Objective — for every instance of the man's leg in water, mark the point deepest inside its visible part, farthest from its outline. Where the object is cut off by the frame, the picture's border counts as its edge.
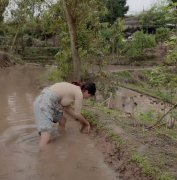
(61, 124)
(45, 137)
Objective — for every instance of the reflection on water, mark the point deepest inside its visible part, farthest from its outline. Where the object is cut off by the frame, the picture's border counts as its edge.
(71, 156)
(18, 137)
(18, 89)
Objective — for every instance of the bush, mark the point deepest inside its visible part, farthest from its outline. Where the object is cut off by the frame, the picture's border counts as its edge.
(140, 41)
(162, 34)
(171, 58)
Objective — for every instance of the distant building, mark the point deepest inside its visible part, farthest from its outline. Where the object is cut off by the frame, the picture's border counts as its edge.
(132, 24)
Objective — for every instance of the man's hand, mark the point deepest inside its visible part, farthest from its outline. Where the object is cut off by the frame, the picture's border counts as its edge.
(85, 128)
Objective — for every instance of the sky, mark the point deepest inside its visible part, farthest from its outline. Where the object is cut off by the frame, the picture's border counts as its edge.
(136, 6)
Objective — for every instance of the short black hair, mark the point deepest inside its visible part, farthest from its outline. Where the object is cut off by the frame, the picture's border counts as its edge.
(90, 87)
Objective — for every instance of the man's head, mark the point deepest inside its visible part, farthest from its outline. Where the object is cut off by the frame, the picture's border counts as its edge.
(88, 89)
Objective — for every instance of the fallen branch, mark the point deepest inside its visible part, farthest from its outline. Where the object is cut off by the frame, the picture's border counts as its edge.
(108, 101)
(150, 127)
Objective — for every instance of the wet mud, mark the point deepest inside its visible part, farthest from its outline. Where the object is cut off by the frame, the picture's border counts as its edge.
(118, 158)
(69, 156)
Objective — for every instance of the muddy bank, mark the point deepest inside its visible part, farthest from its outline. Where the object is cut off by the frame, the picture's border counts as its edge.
(111, 140)
(6, 60)
(118, 157)
(131, 150)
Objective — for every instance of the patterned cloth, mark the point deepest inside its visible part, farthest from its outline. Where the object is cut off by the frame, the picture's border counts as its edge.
(47, 109)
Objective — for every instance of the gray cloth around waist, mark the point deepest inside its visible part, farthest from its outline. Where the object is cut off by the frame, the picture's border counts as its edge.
(50, 105)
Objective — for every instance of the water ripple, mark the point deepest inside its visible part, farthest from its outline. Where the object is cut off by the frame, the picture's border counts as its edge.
(23, 137)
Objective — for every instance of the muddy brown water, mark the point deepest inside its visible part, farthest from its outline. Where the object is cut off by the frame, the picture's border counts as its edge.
(71, 156)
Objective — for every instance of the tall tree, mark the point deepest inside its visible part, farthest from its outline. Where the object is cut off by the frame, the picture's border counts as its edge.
(77, 13)
(157, 16)
(116, 9)
(71, 17)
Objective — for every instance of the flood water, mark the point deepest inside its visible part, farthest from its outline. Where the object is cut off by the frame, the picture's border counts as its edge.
(71, 156)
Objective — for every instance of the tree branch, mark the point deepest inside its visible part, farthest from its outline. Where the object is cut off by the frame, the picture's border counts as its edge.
(150, 127)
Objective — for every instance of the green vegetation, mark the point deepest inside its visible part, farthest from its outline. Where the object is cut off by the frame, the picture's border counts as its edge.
(145, 165)
(95, 121)
(92, 119)
(163, 80)
(149, 169)
(157, 16)
(172, 54)
(162, 34)
(150, 116)
(140, 41)
(116, 9)
(52, 75)
(115, 138)
(93, 34)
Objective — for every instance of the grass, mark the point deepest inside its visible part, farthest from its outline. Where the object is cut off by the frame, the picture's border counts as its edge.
(144, 164)
(168, 132)
(150, 170)
(93, 119)
(51, 76)
(101, 107)
(115, 138)
(122, 74)
(36, 51)
(54, 76)
(150, 116)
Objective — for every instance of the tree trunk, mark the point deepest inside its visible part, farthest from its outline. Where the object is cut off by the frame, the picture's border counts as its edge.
(13, 43)
(73, 38)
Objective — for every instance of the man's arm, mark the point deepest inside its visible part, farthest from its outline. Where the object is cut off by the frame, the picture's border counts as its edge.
(78, 117)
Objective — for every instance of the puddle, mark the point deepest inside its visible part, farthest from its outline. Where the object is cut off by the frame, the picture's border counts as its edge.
(131, 102)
